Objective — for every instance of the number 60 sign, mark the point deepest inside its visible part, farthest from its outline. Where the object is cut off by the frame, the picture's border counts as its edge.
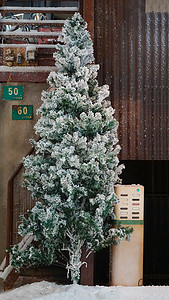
(22, 112)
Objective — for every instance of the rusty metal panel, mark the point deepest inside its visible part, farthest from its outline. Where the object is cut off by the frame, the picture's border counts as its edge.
(132, 49)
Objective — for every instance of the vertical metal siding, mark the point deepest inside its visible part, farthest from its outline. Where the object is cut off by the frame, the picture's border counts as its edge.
(132, 50)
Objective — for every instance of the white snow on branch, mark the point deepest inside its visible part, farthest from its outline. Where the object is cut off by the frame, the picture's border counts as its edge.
(27, 240)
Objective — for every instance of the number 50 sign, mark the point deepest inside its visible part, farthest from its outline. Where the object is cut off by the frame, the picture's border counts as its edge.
(12, 92)
(22, 112)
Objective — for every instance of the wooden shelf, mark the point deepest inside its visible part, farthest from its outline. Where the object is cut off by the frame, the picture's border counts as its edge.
(39, 9)
(31, 22)
(28, 34)
(48, 46)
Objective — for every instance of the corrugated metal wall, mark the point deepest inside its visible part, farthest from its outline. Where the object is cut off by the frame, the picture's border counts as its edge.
(132, 50)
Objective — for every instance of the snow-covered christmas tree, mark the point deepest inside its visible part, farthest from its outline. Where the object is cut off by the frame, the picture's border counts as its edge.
(75, 166)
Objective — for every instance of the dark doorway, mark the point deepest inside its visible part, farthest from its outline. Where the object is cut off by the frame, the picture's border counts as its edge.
(101, 267)
(154, 175)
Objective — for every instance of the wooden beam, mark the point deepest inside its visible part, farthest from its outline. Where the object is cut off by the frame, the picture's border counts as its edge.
(88, 15)
(24, 76)
(87, 273)
(2, 3)
(12, 277)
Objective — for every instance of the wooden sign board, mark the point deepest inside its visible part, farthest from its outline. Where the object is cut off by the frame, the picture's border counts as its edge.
(22, 112)
(12, 92)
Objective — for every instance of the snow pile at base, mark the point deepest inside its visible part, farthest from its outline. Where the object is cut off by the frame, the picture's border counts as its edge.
(50, 291)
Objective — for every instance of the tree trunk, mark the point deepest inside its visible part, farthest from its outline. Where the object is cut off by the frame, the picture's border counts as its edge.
(75, 262)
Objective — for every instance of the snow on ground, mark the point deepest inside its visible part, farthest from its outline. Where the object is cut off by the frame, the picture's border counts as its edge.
(51, 291)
